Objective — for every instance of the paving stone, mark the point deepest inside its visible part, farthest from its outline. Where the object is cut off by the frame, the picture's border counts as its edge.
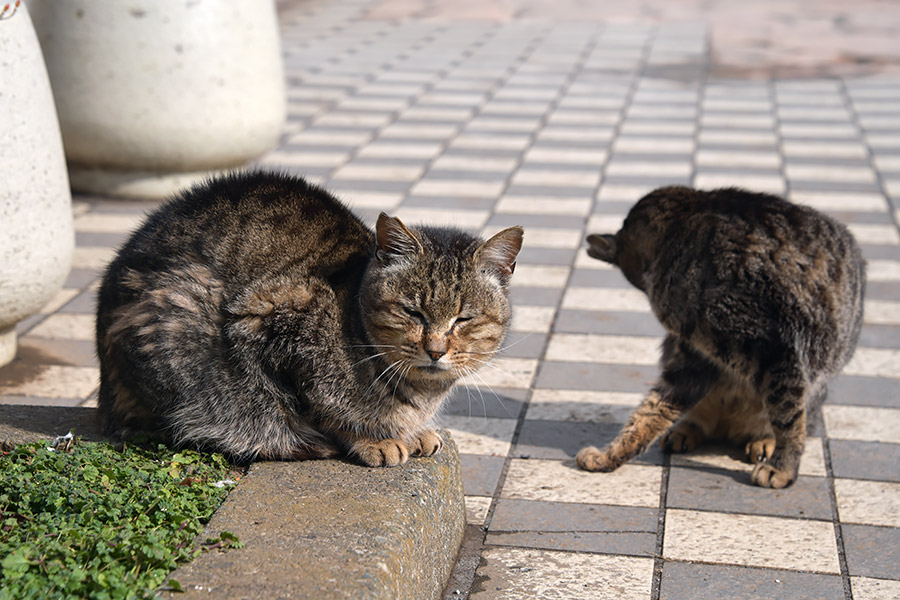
(562, 440)
(596, 376)
(76, 353)
(480, 473)
(872, 551)
(509, 573)
(865, 460)
(607, 323)
(703, 487)
(751, 541)
(528, 515)
(865, 391)
(694, 581)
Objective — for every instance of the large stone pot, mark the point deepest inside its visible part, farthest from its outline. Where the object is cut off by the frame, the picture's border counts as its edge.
(36, 237)
(153, 95)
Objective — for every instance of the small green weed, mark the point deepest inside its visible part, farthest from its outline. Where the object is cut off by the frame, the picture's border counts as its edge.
(85, 520)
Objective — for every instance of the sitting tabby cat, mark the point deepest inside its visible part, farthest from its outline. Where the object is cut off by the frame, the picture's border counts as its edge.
(762, 301)
(255, 315)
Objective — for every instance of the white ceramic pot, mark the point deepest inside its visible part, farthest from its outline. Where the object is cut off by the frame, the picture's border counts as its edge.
(36, 237)
(154, 94)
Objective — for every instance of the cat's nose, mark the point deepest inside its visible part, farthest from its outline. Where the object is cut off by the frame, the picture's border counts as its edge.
(435, 354)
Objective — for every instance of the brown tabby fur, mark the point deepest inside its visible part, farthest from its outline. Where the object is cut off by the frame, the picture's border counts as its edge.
(762, 301)
(256, 316)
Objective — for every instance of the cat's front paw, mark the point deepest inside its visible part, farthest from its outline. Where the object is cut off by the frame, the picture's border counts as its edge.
(759, 451)
(428, 443)
(594, 459)
(765, 475)
(381, 453)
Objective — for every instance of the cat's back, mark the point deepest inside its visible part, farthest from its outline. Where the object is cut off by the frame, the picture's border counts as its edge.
(245, 224)
(739, 261)
(731, 233)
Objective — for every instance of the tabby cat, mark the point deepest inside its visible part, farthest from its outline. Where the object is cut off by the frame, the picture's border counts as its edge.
(255, 315)
(762, 301)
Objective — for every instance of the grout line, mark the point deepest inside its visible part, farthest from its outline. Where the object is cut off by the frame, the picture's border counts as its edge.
(836, 520)
(520, 420)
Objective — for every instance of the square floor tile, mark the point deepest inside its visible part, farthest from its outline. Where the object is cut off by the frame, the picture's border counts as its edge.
(750, 540)
(517, 573)
(561, 481)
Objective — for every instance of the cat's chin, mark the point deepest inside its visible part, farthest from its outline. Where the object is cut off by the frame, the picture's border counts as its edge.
(431, 371)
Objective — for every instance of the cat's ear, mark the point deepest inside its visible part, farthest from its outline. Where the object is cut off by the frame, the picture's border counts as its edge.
(393, 239)
(499, 253)
(602, 246)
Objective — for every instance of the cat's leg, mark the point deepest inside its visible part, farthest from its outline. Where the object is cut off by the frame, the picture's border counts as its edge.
(687, 377)
(785, 405)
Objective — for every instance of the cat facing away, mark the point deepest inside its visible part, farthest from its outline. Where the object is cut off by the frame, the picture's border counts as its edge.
(255, 315)
(762, 301)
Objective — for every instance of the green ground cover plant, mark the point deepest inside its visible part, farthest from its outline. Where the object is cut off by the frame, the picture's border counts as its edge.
(87, 520)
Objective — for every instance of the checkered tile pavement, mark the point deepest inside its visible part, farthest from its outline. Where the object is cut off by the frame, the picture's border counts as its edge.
(560, 128)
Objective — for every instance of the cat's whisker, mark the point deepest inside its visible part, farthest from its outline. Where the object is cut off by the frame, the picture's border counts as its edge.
(368, 358)
(502, 348)
(389, 368)
(491, 390)
(485, 363)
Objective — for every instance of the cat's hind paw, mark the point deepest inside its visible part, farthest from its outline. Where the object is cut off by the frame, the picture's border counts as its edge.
(684, 437)
(766, 475)
(382, 453)
(759, 451)
(594, 459)
(428, 443)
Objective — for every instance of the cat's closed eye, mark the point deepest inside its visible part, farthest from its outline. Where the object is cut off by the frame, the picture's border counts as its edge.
(461, 320)
(414, 314)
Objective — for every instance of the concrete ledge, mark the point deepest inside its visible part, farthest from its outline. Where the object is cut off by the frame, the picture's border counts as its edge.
(317, 529)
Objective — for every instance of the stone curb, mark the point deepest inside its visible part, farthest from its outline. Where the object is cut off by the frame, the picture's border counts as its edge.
(316, 529)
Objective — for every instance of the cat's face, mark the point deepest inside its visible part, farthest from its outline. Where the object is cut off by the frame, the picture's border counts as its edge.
(634, 247)
(623, 250)
(435, 301)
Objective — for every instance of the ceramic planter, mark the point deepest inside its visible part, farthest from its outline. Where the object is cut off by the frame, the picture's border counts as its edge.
(36, 237)
(153, 95)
